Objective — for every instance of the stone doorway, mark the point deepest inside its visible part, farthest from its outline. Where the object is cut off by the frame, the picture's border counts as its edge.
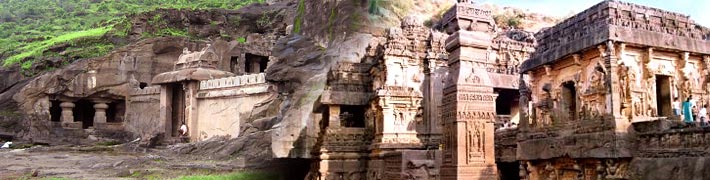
(569, 99)
(663, 96)
(506, 103)
(507, 106)
(508, 170)
(178, 109)
(84, 113)
(55, 111)
(234, 64)
(255, 63)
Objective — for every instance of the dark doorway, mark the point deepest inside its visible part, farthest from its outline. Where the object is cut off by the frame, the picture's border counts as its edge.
(116, 111)
(324, 123)
(569, 99)
(255, 63)
(507, 101)
(178, 109)
(84, 112)
(508, 170)
(55, 111)
(663, 96)
(352, 116)
(234, 64)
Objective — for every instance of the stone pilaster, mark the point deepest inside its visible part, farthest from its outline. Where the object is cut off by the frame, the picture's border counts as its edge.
(469, 101)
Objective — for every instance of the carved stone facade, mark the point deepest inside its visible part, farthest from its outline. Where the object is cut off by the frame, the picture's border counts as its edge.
(596, 84)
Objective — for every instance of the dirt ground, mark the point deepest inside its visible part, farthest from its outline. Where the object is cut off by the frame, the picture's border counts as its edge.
(105, 162)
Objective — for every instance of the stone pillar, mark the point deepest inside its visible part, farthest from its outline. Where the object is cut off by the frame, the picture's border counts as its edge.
(191, 110)
(613, 97)
(100, 115)
(67, 113)
(468, 111)
(67, 118)
(524, 102)
(165, 117)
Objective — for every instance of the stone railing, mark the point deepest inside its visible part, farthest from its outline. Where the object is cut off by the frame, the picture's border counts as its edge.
(234, 81)
(501, 119)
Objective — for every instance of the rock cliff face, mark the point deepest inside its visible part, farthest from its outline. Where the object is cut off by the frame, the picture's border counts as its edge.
(303, 41)
(27, 102)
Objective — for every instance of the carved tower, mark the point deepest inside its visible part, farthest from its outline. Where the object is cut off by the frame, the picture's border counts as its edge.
(469, 100)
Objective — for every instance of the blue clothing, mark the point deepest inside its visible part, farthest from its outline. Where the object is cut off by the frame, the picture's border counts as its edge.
(687, 112)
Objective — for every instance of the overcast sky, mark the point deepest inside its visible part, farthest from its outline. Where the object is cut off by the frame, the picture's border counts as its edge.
(698, 10)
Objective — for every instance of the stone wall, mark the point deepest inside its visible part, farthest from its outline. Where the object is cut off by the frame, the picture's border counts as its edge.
(223, 104)
(143, 112)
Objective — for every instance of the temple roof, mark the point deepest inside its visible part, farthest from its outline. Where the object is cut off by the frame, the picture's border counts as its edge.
(620, 22)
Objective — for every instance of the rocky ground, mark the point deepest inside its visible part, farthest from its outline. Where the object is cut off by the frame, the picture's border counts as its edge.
(107, 162)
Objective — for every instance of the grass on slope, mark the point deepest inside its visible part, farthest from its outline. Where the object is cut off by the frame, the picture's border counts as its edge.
(35, 49)
(29, 27)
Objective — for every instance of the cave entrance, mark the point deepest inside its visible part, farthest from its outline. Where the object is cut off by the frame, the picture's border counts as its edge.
(84, 113)
(663, 96)
(116, 111)
(178, 109)
(55, 111)
(352, 116)
(255, 63)
(234, 64)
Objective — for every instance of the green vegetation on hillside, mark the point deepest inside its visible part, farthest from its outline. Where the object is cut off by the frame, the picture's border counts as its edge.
(29, 28)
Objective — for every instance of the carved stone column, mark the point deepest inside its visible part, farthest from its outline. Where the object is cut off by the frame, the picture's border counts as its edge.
(686, 88)
(67, 118)
(67, 113)
(100, 115)
(469, 101)
(524, 102)
(610, 59)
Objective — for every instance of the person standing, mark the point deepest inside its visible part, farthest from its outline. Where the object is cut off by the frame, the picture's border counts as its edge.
(703, 114)
(676, 107)
(688, 111)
